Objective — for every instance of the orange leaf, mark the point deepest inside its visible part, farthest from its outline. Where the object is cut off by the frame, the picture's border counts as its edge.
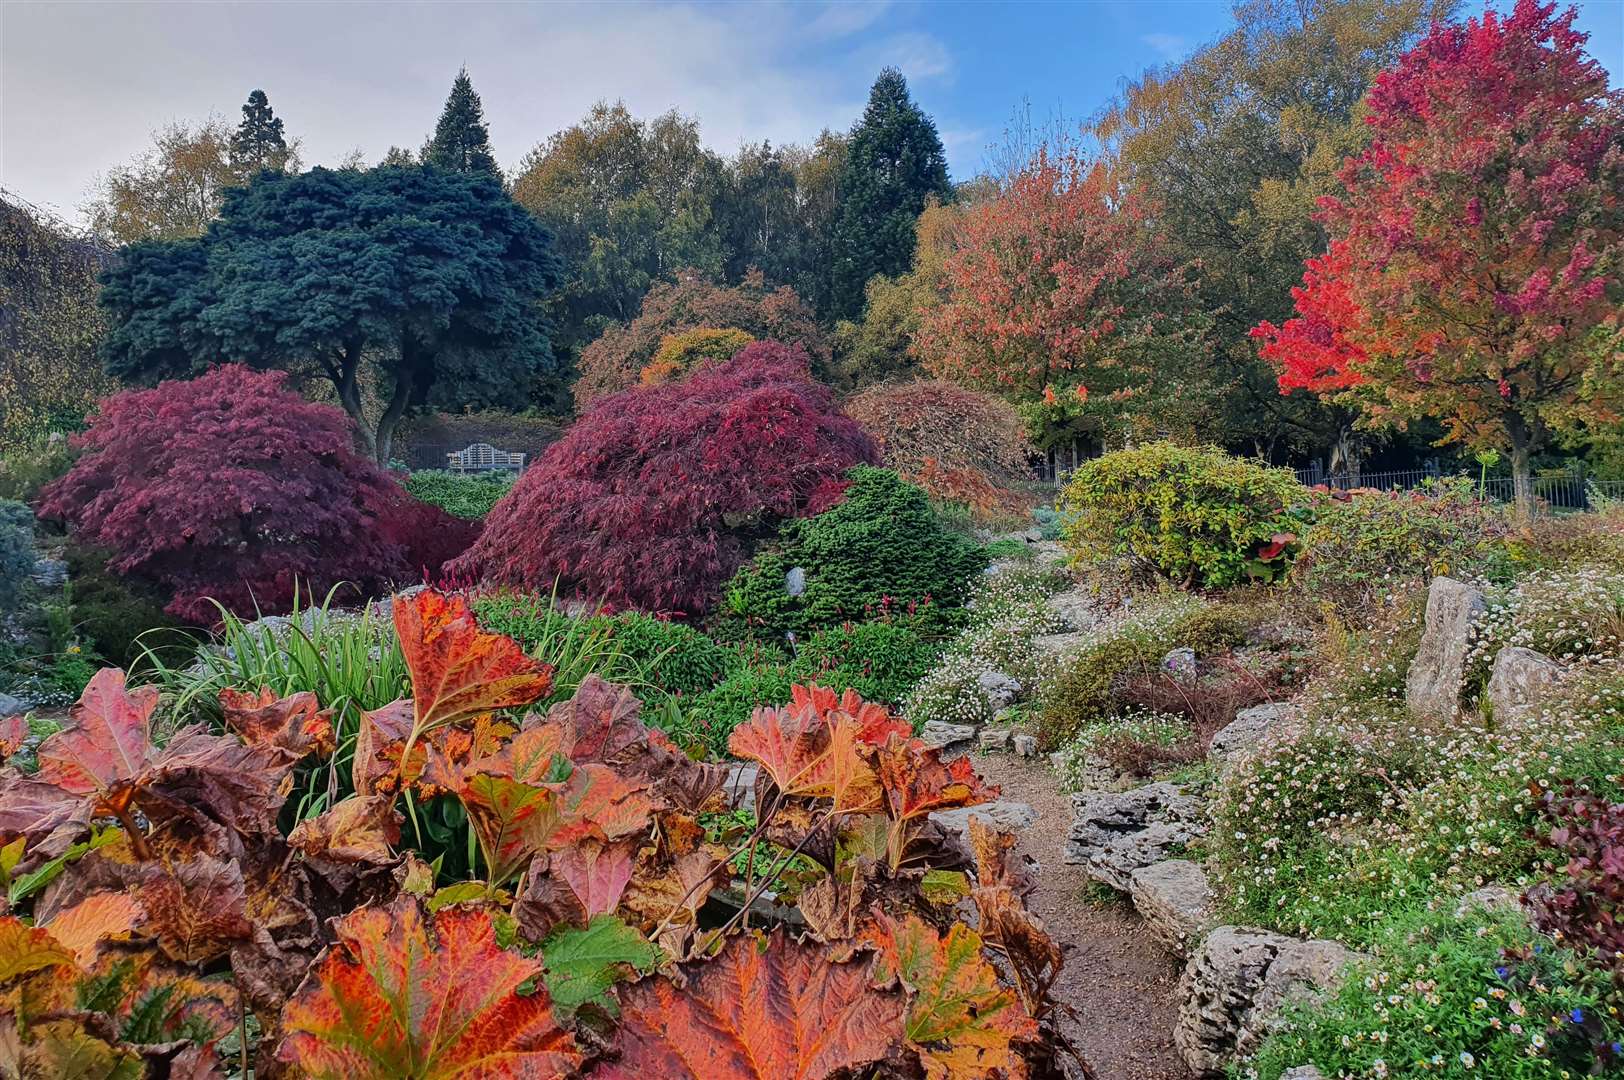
(13, 733)
(97, 918)
(875, 724)
(917, 782)
(783, 1012)
(809, 756)
(360, 829)
(596, 872)
(295, 723)
(459, 671)
(396, 996)
(106, 744)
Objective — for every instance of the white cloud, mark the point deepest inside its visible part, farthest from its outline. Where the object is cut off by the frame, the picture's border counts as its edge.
(1169, 46)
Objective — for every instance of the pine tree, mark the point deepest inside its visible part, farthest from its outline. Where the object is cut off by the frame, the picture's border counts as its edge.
(258, 143)
(461, 140)
(894, 164)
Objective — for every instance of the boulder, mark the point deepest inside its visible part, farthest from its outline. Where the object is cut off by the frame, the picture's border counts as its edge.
(1520, 680)
(10, 706)
(1235, 985)
(1433, 687)
(1236, 740)
(1026, 745)
(941, 734)
(1005, 814)
(740, 785)
(995, 739)
(1175, 901)
(1116, 833)
(998, 689)
(1078, 609)
(1303, 1072)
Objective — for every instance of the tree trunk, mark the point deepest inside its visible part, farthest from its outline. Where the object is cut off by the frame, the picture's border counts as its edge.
(345, 379)
(1522, 472)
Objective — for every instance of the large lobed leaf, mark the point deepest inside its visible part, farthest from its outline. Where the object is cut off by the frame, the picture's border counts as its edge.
(459, 671)
(774, 1011)
(400, 997)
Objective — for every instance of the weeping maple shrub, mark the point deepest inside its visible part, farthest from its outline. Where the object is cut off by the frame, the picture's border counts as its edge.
(657, 495)
(232, 488)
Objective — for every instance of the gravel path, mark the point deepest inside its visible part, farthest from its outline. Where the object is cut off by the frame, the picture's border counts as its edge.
(1121, 984)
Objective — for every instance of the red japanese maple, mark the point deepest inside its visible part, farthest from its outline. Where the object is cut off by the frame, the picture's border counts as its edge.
(1476, 260)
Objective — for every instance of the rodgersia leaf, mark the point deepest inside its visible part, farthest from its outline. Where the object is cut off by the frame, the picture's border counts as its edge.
(397, 996)
(782, 1011)
(584, 962)
(459, 671)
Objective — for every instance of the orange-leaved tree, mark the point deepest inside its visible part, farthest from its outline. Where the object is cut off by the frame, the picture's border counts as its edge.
(1476, 262)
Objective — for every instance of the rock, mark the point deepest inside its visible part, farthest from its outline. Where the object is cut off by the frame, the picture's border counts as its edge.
(941, 734)
(999, 690)
(1180, 665)
(1175, 901)
(1235, 985)
(1057, 761)
(50, 573)
(1116, 833)
(996, 739)
(1303, 1072)
(1241, 736)
(740, 786)
(1007, 815)
(1433, 687)
(795, 581)
(1520, 680)
(1026, 745)
(10, 706)
(1489, 898)
(1078, 609)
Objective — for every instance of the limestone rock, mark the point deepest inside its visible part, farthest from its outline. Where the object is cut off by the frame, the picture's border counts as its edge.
(1005, 814)
(1079, 609)
(995, 739)
(10, 706)
(1433, 686)
(999, 690)
(1235, 984)
(1180, 665)
(941, 734)
(1303, 1072)
(1116, 833)
(1520, 679)
(1241, 736)
(1175, 901)
(1026, 745)
(740, 785)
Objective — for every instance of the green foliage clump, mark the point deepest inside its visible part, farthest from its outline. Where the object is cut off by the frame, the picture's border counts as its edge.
(16, 551)
(1362, 544)
(674, 658)
(1141, 726)
(465, 495)
(1083, 692)
(23, 471)
(1198, 516)
(882, 550)
(110, 612)
(1477, 994)
(880, 660)
(715, 713)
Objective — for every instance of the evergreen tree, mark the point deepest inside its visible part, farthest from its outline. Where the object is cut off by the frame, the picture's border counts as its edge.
(894, 164)
(461, 140)
(258, 143)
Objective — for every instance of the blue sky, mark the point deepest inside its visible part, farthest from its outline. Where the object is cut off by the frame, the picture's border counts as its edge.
(83, 84)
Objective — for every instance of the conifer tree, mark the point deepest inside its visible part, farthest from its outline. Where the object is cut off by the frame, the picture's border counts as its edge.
(462, 141)
(894, 164)
(258, 142)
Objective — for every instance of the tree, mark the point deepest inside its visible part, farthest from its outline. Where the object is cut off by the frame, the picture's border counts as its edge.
(1477, 246)
(462, 141)
(894, 164)
(657, 494)
(617, 359)
(424, 283)
(776, 213)
(170, 191)
(50, 326)
(1059, 296)
(258, 142)
(679, 354)
(229, 488)
(1235, 145)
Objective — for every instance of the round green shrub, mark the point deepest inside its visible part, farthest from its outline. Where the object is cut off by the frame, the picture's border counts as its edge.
(714, 714)
(1198, 516)
(674, 657)
(116, 615)
(882, 550)
(880, 660)
(464, 495)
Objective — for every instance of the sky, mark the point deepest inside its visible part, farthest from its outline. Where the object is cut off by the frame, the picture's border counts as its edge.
(83, 85)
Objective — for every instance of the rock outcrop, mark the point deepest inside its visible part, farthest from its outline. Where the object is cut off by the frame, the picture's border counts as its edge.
(1116, 833)
(941, 734)
(1520, 680)
(1175, 900)
(1235, 742)
(1432, 689)
(1007, 815)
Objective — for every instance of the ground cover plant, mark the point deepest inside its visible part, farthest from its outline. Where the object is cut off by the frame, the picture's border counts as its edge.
(163, 913)
(463, 495)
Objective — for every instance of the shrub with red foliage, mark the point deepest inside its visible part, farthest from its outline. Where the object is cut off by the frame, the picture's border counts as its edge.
(1586, 907)
(234, 488)
(655, 496)
(615, 361)
(426, 535)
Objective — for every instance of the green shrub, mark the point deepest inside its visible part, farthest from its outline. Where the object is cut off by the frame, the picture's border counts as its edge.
(1475, 995)
(881, 551)
(464, 495)
(714, 714)
(674, 657)
(1083, 691)
(16, 552)
(1142, 726)
(1362, 544)
(1009, 549)
(880, 660)
(24, 471)
(1198, 516)
(113, 613)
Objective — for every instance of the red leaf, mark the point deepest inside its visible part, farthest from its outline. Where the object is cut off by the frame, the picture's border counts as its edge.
(459, 671)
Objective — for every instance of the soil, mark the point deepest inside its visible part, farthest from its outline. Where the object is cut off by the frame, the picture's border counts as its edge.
(1121, 987)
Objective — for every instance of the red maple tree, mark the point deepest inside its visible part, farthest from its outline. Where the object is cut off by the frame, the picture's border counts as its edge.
(1476, 260)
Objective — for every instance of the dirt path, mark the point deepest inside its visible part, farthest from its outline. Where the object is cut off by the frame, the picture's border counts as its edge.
(1122, 985)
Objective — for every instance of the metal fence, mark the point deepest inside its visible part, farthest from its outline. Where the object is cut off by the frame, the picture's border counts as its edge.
(1554, 490)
